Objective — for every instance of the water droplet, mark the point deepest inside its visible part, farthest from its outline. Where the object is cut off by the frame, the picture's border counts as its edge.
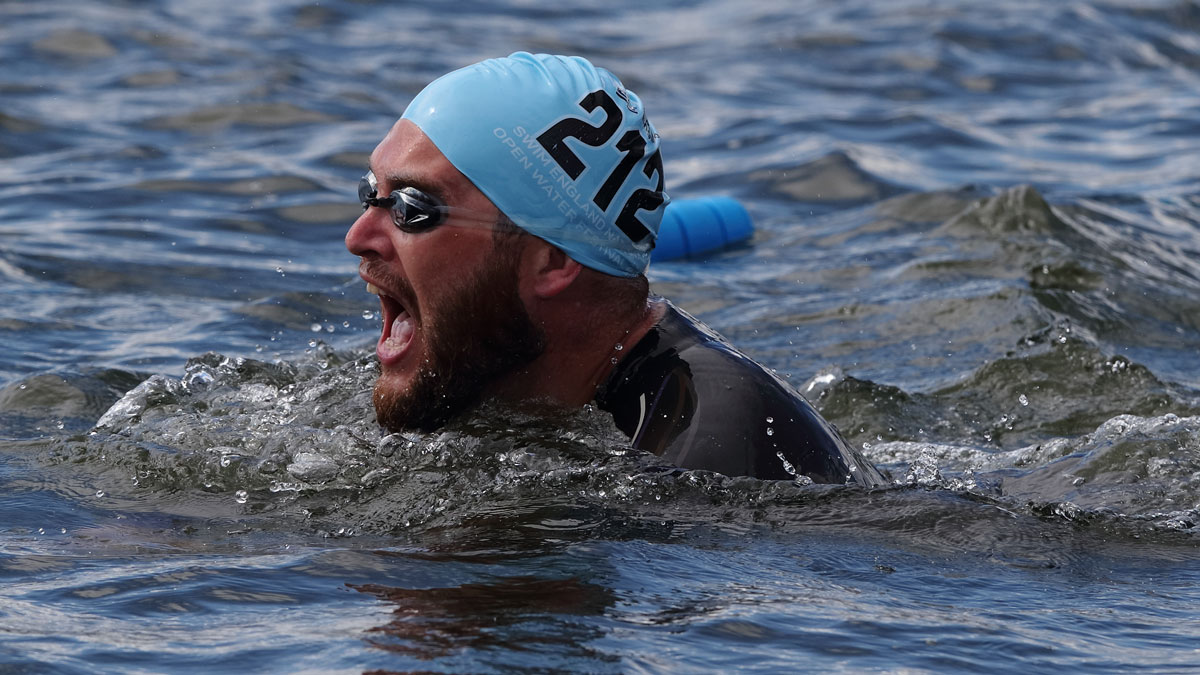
(787, 466)
(613, 360)
(241, 496)
(316, 328)
(770, 431)
(99, 493)
(618, 346)
(1023, 399)
(770, 420)
(345, 324)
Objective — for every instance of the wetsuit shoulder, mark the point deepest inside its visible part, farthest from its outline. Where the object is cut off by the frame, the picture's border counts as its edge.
(687, 395)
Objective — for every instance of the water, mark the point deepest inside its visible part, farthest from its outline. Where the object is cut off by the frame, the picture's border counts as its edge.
(978, 234)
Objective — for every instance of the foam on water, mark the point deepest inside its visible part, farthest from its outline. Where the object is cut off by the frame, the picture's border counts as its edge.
(294, 440)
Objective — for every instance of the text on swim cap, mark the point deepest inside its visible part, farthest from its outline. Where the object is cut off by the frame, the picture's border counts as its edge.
(548, 176)
(632, 145)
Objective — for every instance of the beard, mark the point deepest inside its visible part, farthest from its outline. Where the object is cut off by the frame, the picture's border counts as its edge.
(482, 333)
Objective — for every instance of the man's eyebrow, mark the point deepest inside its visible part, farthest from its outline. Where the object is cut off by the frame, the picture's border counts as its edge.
(398, 179)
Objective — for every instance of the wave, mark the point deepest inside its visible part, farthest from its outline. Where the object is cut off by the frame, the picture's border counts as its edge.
(243, 445)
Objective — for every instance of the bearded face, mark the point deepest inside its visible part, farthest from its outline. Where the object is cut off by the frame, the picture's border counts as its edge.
(477, 333)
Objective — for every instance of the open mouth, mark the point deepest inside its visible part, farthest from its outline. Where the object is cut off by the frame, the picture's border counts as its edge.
(399, 327)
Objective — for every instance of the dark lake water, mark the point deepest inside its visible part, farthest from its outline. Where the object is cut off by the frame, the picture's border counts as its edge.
(977, 253)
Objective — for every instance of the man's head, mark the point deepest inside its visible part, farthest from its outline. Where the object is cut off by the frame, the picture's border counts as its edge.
(558, 145)
(550, 144)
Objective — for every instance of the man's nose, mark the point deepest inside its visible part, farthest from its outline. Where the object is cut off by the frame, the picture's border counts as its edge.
(371, 234)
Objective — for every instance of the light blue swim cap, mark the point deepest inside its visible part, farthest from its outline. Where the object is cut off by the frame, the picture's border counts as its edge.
(558, 145)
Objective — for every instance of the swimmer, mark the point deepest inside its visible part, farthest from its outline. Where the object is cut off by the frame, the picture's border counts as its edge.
(508, 219)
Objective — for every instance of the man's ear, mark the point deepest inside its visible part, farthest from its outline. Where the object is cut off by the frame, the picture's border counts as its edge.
(551, 270)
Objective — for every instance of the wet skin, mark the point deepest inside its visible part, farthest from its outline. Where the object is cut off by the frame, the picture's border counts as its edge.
(448, 299)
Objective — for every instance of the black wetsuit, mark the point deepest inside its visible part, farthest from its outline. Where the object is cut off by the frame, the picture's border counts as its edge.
(687, 395)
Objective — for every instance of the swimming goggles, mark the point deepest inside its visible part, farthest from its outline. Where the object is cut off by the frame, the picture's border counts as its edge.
(412, 210)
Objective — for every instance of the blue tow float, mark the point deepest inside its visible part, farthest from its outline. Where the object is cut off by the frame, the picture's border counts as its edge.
(691, 227)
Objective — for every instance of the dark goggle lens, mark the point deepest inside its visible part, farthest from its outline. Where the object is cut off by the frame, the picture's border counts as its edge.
(412, 210)
(366, 190)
